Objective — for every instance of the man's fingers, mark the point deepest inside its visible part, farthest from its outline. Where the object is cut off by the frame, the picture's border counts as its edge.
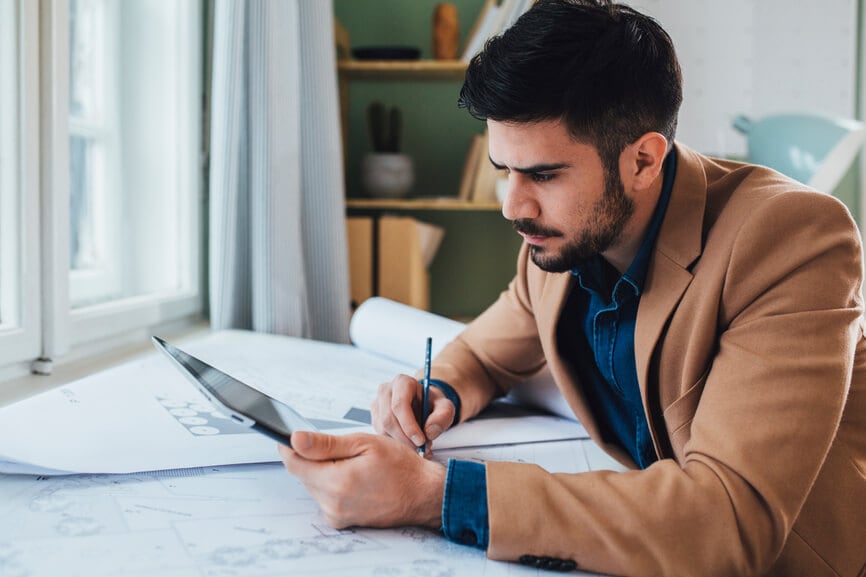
(395, 411)
(384, 422)
(441, 415)
(402, 398)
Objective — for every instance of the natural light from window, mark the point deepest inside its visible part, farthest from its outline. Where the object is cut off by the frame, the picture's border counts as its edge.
(131, 175)
(100, 176)
(9, 233)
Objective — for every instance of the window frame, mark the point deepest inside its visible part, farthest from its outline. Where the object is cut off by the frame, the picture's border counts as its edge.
(20, 335)
(95, 283)
(131, 318)
(51, 332)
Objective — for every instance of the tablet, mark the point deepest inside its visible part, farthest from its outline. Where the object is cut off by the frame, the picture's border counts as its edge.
(239, 401)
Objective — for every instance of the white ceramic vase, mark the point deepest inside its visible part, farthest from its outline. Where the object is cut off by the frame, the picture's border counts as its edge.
(387, 174)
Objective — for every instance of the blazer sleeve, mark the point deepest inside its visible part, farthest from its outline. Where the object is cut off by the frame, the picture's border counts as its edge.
(496, 350)
(770, 403)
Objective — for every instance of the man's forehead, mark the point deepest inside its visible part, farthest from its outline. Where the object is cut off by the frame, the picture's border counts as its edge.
(524, 144)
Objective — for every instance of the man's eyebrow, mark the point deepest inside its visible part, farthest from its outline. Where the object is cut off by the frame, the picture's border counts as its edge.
(534, 169)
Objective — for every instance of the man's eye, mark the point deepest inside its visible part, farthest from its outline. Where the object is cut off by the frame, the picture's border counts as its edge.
(541, 177)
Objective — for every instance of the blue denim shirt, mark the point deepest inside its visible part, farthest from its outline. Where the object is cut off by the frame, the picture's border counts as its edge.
(606, 313)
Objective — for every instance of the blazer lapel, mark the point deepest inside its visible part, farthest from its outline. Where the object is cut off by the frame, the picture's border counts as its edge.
(677, 247)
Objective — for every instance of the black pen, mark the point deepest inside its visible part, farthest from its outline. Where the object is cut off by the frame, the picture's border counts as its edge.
(425, 387)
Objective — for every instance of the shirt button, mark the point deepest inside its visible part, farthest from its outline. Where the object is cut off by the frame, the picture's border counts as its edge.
(468, 537)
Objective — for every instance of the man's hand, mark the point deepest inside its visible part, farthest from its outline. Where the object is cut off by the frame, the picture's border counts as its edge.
(396, 411)
(367, 480)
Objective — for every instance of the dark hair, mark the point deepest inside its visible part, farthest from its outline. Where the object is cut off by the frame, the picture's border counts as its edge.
(609, 72)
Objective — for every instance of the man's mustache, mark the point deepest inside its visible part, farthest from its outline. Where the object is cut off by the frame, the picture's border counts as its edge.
(528, 226)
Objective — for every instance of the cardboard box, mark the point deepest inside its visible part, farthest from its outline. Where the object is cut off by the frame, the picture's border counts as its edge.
(403, 276)
(389, 256)
(359, 231)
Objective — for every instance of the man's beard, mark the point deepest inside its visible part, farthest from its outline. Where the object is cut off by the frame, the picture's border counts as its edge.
(609, 216)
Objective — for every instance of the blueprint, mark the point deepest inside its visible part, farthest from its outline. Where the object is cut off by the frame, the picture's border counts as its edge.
(243, 520)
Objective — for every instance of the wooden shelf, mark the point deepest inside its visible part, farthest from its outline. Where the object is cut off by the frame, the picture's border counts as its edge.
(402, 69)
(453, 204)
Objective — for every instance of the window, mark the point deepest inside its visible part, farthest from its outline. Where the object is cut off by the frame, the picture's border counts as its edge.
(95, 185)
(112, 176)
(9, 248)
(19, 186)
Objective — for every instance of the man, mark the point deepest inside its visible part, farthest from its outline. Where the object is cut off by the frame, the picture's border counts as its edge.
(701, 317)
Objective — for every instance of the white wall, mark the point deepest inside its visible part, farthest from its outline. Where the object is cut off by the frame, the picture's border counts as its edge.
(758, 57)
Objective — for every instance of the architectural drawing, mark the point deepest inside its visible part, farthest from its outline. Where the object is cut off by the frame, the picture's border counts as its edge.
(243, 520)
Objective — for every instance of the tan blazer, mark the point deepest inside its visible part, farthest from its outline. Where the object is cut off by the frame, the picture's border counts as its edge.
(751, 361)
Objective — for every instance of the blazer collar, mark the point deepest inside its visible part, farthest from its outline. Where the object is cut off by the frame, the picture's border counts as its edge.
(680, 238)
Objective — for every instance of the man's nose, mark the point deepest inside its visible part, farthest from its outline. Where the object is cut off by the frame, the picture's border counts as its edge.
(519, 201)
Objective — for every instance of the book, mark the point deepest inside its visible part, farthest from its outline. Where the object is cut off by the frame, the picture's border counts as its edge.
(486, 175)
(470, 167)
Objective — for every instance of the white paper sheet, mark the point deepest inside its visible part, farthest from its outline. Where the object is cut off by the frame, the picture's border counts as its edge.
(126, 419)
(399, 331)
(145, 416)
(250, 520)
(504, 423)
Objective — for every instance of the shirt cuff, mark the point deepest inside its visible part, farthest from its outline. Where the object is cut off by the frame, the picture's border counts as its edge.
(464, 505)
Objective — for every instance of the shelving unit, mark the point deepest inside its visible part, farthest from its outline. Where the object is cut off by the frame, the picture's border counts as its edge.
(400, 70)
(476, 258)
(444, 204)
(404, 71)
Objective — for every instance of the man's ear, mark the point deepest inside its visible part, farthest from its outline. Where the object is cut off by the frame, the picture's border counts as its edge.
(644, 159)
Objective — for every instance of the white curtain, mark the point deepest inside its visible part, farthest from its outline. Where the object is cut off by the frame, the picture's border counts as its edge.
(278, 258)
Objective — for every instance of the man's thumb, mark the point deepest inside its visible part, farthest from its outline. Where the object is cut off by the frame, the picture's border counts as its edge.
(321, 447)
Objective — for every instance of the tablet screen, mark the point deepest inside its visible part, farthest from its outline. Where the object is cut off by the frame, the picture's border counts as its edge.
(237, 396)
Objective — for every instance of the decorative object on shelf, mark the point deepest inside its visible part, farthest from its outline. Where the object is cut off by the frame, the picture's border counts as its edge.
(386, 172)
(387, 53)
(446, 30)
(815, 149)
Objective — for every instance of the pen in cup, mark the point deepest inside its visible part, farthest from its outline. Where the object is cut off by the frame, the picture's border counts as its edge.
(425, 402)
